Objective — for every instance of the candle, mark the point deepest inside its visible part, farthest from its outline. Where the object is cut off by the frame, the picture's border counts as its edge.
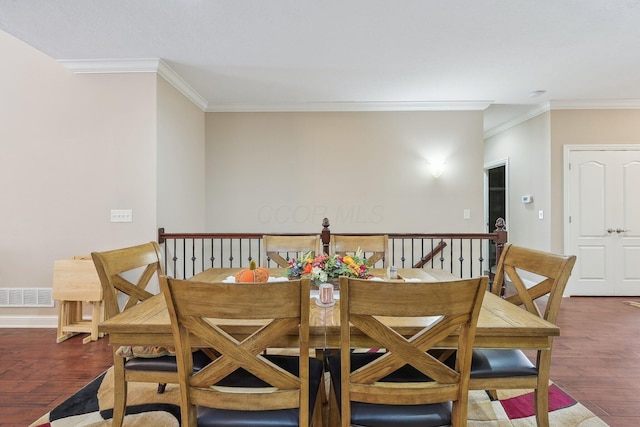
(392, 272)
(326, 293)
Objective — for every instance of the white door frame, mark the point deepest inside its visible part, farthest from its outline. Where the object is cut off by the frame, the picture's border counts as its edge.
(567, 152)
(567, 149)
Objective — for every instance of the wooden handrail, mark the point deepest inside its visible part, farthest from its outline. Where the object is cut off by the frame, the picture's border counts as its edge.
(162, 235)
(466, 252)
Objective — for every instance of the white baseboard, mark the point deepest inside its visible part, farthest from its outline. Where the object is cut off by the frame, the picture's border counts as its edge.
(28, 321)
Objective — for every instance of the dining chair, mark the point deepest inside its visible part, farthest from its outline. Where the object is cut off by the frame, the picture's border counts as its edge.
(244, 387)
(280, 249)
(405, 386)
(533, 274)
(117, 270)
(375, 247)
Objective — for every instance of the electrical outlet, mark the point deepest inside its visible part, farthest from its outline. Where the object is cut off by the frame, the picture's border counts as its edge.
(121, 215)
(466, 214)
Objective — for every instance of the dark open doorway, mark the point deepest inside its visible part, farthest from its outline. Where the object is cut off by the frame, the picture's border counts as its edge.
(496, 203)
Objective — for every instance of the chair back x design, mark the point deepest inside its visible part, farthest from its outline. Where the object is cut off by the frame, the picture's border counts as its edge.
(375, 247)
(552, 270)
(281, 249)
(142, 261)
(495, 369)
(242, 386)
(404, 385)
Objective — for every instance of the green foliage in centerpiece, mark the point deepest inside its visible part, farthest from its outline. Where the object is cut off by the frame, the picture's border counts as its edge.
(322, 268)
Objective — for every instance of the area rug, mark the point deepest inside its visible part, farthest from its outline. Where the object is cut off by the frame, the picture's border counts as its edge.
(92, 406)
(632, 303)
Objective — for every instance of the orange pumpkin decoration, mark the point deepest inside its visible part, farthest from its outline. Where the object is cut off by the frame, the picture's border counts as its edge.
(252, 274)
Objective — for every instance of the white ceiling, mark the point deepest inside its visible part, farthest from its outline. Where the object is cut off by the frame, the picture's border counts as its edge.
(290, 55)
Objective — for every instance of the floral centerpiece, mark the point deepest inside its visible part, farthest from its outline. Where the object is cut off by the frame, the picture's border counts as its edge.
(323, 268)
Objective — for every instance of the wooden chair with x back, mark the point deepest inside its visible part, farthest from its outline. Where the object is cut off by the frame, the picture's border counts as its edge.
(533, 274)
(243, 386)
(280, 248)
(405, 386)
(375, 247)
(118, 270)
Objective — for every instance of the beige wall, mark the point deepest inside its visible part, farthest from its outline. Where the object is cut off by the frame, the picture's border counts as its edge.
(181, 179)
(527, 148)
(72, 147)
(535, 152)
(585, 127)
(365, 171)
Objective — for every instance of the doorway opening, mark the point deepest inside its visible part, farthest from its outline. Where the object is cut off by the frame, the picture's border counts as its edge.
(496, 201)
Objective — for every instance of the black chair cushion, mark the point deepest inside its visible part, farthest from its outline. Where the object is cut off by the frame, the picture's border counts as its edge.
(164, 363)
(376, 415)
(492, 363)
(210, 417)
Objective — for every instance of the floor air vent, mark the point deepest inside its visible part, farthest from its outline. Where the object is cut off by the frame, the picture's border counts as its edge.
(25, 297)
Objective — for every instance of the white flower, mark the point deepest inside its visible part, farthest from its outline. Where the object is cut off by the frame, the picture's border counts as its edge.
(319, 274)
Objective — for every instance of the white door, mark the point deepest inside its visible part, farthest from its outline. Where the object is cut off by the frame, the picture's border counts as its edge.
(604, 221)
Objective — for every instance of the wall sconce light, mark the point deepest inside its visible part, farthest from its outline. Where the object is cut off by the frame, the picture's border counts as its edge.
(436, 167)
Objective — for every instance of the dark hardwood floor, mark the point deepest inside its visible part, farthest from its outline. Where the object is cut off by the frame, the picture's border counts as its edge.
(597, 357)
(596, 360)
(36, 374)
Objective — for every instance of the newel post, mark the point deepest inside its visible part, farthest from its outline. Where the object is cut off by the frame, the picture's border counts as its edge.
(502, 237)
(325, 236)
(500, 242)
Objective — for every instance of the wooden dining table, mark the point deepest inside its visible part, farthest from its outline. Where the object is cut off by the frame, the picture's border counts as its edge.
(500, 323)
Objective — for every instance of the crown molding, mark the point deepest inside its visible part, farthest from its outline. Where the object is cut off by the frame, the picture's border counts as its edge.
(602, 104)
(611, 104)
(176, 81)
(533, 112)
(110, 66)
(152, 65)
(354, 106)
(156, 65)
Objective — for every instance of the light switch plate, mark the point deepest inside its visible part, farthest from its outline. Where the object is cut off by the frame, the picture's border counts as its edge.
(121, 215)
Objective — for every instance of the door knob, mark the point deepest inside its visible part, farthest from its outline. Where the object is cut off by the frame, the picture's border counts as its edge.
(620, 230)
(610, 230)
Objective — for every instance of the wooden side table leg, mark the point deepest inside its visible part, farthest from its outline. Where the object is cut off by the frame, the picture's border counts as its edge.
(62, 314)
(76, 309)
(95, 319)
(67, 316)
(101, 316)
